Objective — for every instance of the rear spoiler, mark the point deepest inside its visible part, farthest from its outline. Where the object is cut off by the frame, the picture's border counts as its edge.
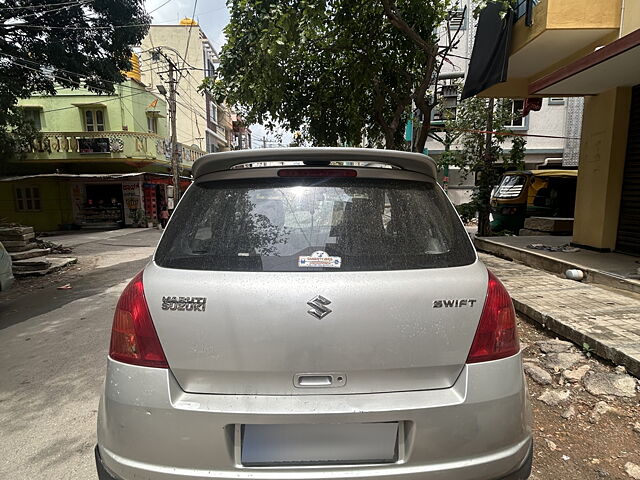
(223, 161)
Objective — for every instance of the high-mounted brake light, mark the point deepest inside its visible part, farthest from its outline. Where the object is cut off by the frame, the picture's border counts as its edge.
(317, 172)
(133, 337)
(496, 336)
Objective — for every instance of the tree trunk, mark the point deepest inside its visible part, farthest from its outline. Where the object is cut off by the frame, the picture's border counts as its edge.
(424, 130)
(389, 139)
(484, 179)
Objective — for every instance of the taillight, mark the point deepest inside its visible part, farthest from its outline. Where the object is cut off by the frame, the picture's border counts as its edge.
(133, 337)
(496, 336)
(317, 172)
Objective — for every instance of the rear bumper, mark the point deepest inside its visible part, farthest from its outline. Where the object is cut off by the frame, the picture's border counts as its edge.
(148, 428)
(522, 473)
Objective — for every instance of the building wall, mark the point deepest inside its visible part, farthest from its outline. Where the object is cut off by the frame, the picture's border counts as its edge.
(125, 110)
(601, 172)
(55, 200)
(191, 115)
(602, 156)
(630, 17)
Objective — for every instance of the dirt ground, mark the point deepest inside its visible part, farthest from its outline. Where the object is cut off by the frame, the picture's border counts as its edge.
(581, 447)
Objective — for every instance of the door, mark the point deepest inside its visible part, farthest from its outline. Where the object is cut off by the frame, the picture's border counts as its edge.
(629, 221)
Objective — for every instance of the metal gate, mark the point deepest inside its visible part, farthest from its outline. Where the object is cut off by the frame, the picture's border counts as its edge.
(629, 221)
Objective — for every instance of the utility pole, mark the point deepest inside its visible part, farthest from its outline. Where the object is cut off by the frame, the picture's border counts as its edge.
(175, 170)
(264, 142)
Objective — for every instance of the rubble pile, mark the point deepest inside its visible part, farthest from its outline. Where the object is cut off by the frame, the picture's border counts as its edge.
(29, 256)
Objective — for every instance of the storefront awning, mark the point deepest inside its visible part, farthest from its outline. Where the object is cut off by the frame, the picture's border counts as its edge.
(106, 176)
(161, 177)
(614, 65)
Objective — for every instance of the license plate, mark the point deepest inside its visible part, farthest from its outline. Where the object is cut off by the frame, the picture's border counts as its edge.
(320, 444)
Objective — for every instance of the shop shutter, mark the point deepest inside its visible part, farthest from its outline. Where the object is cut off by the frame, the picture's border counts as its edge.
(629, 221)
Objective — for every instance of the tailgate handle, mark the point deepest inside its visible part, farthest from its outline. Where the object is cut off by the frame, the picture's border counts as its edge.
(319, 380)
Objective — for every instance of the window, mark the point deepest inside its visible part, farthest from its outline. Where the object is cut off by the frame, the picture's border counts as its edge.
(33, 115)
(457, 20)
(152, 124)
(211, 70)
(94, 120)
(556, 101)
(27, 199)
(270, 224)
(213, 112)
(517, 120)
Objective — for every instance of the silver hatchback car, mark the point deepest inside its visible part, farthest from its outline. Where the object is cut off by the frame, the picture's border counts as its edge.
(314, 314)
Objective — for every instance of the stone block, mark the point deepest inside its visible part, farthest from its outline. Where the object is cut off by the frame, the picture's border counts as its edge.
(525, 232)
(36, 252)
(15, 232)
(19, 246)
(549, 224)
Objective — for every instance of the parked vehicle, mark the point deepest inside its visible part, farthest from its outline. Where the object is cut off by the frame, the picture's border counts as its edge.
(532, 193)
(6, 274)
(314, 319)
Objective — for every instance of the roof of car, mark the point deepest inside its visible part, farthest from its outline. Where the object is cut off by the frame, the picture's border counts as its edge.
(219, 162)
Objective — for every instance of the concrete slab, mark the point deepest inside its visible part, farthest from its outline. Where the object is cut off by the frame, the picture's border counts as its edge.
(35, 252)
(607, 321)
(55, 263)
(611, 269)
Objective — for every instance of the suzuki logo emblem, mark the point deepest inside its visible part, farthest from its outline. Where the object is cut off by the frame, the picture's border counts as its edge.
(319, 307)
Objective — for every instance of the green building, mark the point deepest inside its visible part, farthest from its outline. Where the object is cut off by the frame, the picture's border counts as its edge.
(102, 160)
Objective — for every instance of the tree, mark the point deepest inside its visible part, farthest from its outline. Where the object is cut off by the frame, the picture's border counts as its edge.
(45, 44)
(480, 150)
(337, 70)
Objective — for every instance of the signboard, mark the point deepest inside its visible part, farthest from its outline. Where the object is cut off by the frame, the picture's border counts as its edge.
(132, 203)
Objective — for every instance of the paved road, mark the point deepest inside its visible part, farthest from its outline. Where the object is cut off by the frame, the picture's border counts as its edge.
(52, 360)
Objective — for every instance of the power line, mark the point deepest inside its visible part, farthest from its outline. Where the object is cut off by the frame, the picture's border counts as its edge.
(82, 76)
(36, 14)
(92, 27)
(158, 8)
(25, 7)
(117, 97)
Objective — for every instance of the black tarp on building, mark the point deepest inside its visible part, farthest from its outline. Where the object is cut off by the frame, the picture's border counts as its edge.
(490, 57)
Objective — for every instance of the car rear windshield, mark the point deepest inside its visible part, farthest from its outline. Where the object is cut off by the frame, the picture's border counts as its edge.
(328, 224)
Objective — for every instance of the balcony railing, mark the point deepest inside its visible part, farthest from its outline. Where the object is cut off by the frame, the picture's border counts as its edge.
(60, 146)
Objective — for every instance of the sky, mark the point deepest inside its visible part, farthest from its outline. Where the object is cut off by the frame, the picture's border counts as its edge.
(212, 16)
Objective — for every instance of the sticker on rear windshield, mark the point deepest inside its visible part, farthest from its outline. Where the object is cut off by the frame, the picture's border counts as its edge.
(320, 259)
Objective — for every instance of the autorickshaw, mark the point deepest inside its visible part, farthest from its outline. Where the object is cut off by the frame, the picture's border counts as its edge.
(532, 193)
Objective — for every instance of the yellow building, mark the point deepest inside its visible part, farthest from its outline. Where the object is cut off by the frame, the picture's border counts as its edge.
(578, 48)
(201, 122)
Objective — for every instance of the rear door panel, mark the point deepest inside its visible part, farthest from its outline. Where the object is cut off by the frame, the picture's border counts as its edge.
(255, 335)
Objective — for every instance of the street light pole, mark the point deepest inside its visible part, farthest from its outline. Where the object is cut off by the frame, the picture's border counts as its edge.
(175, 171)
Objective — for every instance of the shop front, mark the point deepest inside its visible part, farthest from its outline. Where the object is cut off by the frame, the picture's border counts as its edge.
(107, 201)
(52, 202)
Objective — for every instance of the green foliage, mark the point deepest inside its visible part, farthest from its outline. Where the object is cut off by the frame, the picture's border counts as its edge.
(39, 47)
(475, 155)
(17, 133)
(334, 70)
(467, 211)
